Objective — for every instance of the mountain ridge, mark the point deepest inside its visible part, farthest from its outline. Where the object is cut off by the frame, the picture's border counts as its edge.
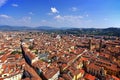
(111, 31)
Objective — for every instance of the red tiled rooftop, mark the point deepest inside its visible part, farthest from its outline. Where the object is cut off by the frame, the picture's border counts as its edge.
(60, 78)
(51, 72)
(89, 77)
(115, 78)
(32, 72)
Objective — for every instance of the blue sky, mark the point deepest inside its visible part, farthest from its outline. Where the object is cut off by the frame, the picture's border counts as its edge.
(61, 13)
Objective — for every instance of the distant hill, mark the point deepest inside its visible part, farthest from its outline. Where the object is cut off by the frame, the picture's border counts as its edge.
(94, 31)
(90, 31)
(45, 28)
(77, 31)
(19, 28)
(11, 28)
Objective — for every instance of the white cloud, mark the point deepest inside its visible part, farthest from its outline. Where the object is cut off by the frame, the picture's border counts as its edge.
(26, 19)
(106, 19)
(31, 13)
(49, 13)
(69, 20)
(54, 10)
(74, 8)
(68, 17)
(4, 16)
(15, 5)
(43, 21)
(23, 21)
(2, 2)
(58, 17)
(87, 15)
(57, 21)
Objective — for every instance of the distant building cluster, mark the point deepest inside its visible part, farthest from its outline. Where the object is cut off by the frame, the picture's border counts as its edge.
(42, 56)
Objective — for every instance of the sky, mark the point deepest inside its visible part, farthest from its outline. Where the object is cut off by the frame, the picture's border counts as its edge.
(61, 13)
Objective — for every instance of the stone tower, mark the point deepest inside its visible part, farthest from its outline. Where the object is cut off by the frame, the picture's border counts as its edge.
(90, 44)
(100, 45)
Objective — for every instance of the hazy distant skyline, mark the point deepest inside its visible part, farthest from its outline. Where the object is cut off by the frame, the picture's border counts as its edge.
(61, 13)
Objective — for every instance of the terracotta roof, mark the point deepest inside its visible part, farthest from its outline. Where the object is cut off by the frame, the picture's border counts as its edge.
(32, 72)
(50, 72)
(115, 78)
(89, 77)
